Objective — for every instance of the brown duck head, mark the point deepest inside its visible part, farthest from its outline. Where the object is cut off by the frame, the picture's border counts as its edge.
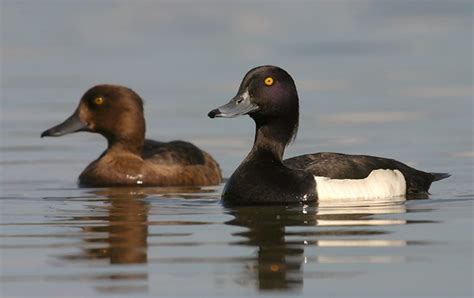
(116, 112)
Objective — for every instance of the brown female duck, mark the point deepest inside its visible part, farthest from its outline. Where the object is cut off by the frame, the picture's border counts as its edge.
(116, 112)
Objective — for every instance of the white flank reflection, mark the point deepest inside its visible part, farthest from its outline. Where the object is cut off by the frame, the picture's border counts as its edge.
(361, 243)
(368, 222)
(361, 259)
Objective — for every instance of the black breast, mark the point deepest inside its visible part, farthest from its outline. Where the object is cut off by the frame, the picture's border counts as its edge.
(261, 181)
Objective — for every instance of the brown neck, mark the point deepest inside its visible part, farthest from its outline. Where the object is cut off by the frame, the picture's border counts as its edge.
(134, 146)
(131, 137)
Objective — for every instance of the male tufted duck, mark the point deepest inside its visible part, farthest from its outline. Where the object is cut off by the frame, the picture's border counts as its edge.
(268, 95)
(116, 112)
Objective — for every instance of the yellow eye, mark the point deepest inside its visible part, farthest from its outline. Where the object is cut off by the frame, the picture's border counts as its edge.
(99, 100)
(268, 81)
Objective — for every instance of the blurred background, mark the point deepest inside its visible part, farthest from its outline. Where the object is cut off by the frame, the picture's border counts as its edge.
(387, 78)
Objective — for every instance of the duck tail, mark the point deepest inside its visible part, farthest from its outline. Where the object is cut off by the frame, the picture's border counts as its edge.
(440, 176)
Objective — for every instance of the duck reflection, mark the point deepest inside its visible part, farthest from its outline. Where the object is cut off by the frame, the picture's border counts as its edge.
(281, 235)
(126, 229)
(123, 224)
(123, 217)
(115, 230)
(278, 262)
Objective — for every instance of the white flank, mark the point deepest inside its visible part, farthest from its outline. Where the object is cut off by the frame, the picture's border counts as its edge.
(379, 184)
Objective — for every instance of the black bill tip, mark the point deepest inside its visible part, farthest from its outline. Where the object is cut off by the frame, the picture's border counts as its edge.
(52, 132)
(214, 113)
(71, 125)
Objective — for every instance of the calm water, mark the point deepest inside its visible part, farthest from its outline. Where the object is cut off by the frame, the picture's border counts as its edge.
(385, 78)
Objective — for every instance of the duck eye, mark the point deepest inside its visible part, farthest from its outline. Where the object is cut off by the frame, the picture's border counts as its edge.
(99, 100)
(268, 81)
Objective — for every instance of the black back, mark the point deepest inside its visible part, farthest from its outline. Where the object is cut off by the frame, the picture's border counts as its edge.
(343, 166)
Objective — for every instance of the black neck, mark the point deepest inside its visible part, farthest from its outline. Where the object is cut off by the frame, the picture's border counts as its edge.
(272, 136)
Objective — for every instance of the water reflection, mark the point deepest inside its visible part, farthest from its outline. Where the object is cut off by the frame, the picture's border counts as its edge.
(294, 244)
(122, 238)
(278, 263)
(283, 235)
(116, 230)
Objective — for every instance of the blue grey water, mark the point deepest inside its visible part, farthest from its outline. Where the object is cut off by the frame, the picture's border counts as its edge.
(387, 78)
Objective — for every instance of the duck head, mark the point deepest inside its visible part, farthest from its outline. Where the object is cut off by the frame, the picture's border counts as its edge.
(268, 95)
(116, 112)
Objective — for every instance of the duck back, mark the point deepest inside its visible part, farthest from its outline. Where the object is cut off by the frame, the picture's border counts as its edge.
(344, 166)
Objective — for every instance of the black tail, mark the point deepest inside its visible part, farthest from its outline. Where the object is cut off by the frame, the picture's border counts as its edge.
(440, 176)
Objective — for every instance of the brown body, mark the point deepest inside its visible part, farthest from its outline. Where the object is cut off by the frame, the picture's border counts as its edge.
(167, 167)
(116, 112)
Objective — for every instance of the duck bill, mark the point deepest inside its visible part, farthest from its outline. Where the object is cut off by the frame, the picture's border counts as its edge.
(237, 106)
(72, 124)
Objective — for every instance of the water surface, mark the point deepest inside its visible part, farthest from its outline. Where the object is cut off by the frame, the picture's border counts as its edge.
(384, 78)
